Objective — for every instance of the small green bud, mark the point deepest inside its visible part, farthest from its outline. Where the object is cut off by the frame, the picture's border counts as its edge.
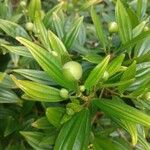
(113, 27)
(64, 93)
(29, 26)
(82, 88)
(105, 76)
(72, 70)
(23, 4)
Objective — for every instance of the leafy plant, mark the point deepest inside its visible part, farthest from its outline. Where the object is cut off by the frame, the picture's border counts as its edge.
(77, 75)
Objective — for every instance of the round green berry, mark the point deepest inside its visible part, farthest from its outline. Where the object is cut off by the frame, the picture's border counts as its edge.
(64, 93)
(105, 76)
(23, 3)
(29, 26)
(113, 27)
(72, 70)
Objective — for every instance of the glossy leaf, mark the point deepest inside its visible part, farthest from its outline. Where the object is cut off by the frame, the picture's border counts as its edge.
(97, 73)
(124, 24)
(115, 65)
(33, 7)
(128, 75)
(8, 96)
(42, 32)
(12, 29)
(39, 92)
(35, 75)
(48, 62)
(54, 115)
(75, 133)
(19, 50)
(72, 34)
(122, 111)
(99, 29)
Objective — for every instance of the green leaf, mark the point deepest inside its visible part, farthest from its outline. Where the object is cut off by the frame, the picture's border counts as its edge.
(141, 8)
(39, 92)
(122, 111)
(42, 123)
(48, 62)
(12, 29)
(89, 3)
(58, 46)
(144, 142)
(8, 96)
(54, 115)
(97, 73)
(138, 29)
(33, 7)
(74, 135)
(127, 75)
(93, 58)
(19, 50)
(124, 24)
(99, 29)
(58, 26)
(42, 32)
(47, 20)
(6, 81)
(115, 65)
(72, 33)
(11, 126)
(130, 127)
(35, 139)
(104, 143)
(35, 75)
(134, 41)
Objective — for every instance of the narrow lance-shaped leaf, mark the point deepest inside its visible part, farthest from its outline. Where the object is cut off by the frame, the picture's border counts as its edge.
(124, 24)
(36, 75)
(47, 20)
(130, 127)
(134, 41)
(19, 50)
(89, 3)
(75, 133)
(97, 73)
(122, 111)
(115, 65)
(58, 26)
(42, 32)
(8, 96)
(34, 6)
(48, 62)
(99, 29)
(12, 29)
(72, 34)
(39, 92)
(58, 46)
(127, 75)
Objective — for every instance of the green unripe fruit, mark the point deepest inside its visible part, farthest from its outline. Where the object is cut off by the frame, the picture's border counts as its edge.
(23, 4)
(146, 28)
(113, 27)
(72, 70)
(64, 93)
(82, 88)
(29, 26)
(146, 96)
(105, 76)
